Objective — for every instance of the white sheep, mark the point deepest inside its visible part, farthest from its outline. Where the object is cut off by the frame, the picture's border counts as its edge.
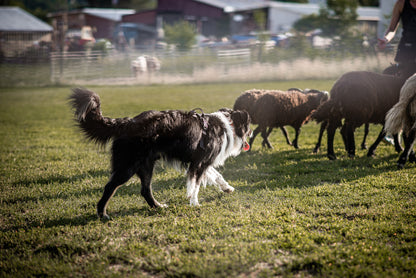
(403, 116)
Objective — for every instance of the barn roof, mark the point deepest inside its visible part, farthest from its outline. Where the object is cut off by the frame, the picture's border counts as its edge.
(16, 19)
(236, 5)
(364, 13)
(229, 6)
(111, 14)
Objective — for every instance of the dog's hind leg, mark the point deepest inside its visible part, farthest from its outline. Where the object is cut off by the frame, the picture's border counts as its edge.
(116, 180)
(145, 174)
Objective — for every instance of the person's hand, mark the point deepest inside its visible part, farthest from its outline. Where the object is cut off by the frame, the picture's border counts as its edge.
(382, 43)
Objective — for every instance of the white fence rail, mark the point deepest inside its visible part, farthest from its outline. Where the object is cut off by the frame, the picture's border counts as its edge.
(234, 56)
(70, 67)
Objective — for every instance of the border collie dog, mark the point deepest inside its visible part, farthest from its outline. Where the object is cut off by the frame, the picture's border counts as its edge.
(196, 142)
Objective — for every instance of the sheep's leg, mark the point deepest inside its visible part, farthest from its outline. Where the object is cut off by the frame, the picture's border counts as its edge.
(332, 127)
(350, 140)
(409, 141)
(373, 147)
(366, 130)
(268, 133)
(344, 136)
(397, 145)
(265, 139)
(286, 136)
(255, 132)
(324, 125)
(295, 142)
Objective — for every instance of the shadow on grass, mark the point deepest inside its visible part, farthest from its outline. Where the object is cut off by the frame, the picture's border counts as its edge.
(257, 170)
(58, 179)
(301, 168)
(62, 178)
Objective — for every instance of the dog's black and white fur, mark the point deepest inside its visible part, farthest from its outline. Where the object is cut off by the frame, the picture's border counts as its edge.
(198, 142)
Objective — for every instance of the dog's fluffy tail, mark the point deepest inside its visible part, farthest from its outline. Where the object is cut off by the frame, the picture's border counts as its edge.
(88, 115)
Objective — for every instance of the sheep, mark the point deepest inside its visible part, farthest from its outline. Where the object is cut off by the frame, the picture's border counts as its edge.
(145, 63)
(246, 101)
(358, 97)
(275, 108)
(139, 65)
(323, 127)
(403, 116)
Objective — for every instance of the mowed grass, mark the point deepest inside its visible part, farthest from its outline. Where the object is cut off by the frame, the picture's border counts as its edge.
(293, 213)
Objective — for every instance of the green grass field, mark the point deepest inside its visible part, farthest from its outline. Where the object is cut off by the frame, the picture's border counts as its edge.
(293, 213)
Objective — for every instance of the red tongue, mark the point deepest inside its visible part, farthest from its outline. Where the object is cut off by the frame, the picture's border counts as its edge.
(246, 146)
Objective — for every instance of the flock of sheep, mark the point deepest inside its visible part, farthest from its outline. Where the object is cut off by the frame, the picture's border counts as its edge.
(357, 98)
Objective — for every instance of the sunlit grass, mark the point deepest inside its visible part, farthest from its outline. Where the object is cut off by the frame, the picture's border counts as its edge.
(293, 213)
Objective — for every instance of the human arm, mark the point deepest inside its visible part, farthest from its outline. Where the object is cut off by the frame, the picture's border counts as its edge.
(394, 24)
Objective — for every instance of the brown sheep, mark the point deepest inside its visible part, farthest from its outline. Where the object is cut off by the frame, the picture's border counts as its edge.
(246, 101)
(359, 97)
(279, 108)
(403, 116)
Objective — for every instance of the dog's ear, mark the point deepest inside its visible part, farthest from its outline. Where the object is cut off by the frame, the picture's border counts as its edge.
(226, 111)
(241, 121)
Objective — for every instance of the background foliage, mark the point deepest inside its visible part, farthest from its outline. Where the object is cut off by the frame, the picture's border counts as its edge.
(181, 34)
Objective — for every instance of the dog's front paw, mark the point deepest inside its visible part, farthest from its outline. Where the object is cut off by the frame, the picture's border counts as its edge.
(194, 203)
(228, 189)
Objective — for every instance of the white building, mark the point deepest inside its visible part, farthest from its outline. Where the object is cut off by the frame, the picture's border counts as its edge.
(283, 15)
(386, 8)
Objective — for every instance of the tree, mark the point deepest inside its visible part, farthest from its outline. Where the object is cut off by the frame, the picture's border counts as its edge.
(373, 3)
(182, 34)
(334, 20)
